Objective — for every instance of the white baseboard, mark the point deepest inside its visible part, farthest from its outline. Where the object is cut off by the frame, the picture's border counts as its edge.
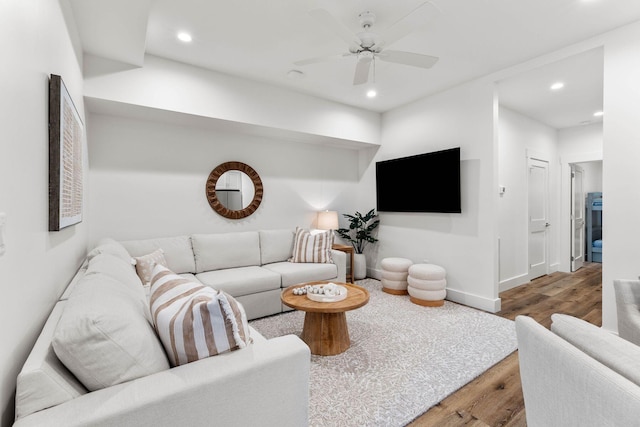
(374, 273)
(475, 301)
(513, 282)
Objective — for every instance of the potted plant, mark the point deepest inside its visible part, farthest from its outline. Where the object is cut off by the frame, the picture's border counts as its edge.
(359, 233)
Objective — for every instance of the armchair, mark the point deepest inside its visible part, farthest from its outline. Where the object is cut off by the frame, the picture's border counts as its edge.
(577, 374)
(628, 308)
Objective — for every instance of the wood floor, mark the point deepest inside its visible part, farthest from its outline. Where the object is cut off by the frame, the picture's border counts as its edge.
(495, 398)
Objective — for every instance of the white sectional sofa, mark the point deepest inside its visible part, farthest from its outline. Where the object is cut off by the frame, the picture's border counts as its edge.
(251, 266)
(101, 330)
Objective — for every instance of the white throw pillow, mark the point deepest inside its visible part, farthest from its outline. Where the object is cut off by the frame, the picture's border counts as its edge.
(109, 246)
(195, 321)
(312, 248)
(114, 267)
(104, 336)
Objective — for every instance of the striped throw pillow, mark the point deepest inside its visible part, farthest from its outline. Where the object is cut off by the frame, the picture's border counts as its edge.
(309, 247)
(195, 321)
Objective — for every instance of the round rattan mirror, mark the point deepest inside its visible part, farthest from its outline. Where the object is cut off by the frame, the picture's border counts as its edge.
(217, 198)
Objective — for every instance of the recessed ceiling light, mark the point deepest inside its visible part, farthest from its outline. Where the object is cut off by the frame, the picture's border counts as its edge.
(598, 114)
(371, 93)
(184, 37)
(557, 86)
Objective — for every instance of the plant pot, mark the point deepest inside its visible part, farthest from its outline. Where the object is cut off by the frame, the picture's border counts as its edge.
(359, 266)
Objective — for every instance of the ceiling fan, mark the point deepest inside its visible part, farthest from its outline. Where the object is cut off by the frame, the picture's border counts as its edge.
(368, 45)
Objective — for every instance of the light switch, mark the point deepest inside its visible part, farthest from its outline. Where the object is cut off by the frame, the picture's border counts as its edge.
(3, 222)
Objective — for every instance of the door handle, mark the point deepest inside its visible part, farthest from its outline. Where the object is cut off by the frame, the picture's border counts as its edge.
(547, 225)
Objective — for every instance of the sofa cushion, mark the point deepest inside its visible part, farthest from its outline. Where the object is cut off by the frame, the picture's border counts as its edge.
(618, 354)
(226, 250)
(114, 267)
(276, 245)
(193, 320)
(261, 304)
(295, 273)
(109, 246)
(177, 251)
(189, 276)
(43, 381)
(241, 281)
(74, 282)
(309, 247)
(105, 336)
(145, 263)
(256, 336)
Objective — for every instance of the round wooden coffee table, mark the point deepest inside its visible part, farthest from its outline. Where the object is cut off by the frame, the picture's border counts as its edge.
(325, 323)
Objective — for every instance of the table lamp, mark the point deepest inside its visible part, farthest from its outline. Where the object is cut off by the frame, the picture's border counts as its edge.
(328, 220)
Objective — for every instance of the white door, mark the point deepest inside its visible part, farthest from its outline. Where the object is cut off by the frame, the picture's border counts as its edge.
(538, 217)
(577, 217)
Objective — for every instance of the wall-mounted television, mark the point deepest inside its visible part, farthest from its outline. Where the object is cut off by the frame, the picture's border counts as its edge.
(427, 182)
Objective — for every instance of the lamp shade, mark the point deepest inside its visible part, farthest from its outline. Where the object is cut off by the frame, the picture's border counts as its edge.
(328, 220)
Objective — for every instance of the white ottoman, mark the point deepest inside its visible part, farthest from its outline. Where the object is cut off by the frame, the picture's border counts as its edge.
(394, 275)
(427, 284)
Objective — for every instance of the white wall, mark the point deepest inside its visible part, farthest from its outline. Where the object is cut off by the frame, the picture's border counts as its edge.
(35, 43)
(620, 151)
(580, 141)
(148, 179)
(519, 135)
(464, 243)
(621, 130)
(173, 86)
(577, 145)
(592, 176)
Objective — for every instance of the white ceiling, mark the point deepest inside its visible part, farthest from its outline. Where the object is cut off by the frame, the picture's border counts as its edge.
(261, 40)
(573, 105)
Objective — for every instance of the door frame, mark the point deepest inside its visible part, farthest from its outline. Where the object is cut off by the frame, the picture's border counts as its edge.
(577, 264)
(533, 155)
(565, 201)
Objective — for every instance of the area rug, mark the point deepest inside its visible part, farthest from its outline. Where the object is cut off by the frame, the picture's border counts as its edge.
(403, 358)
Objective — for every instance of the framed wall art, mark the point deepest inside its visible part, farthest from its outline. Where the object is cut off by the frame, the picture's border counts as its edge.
(66, 133)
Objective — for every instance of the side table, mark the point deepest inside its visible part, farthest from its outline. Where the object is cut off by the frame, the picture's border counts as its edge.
(348, 249)
(325, 327)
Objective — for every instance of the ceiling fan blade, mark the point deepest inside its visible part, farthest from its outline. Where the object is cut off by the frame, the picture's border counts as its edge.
(408, 58)
(335, 26)
(362, 71)
(402, 27)
(318, 59)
